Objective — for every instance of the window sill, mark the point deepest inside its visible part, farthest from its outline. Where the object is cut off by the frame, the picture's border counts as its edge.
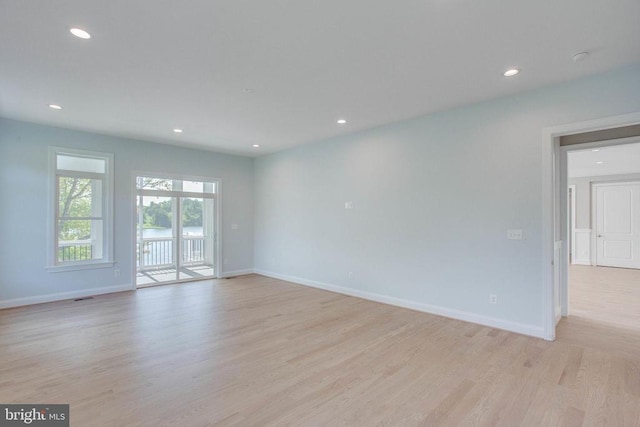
(80, 266)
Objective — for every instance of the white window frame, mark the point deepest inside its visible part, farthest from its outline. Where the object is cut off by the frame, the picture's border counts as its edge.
(107, 259)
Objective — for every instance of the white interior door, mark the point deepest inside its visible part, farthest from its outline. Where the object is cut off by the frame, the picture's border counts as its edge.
(618, 225)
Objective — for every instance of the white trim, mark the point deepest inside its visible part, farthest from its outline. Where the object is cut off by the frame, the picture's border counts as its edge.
(594, 226)
(236, 273)
(572, 221)
(108, 205)
(493, 322)
(218, 226)
(217, 200)
(550, 145)
(173, 193)
(614, 183)
(559, 300)
(80, 266)
(576, 259)
(61, 296)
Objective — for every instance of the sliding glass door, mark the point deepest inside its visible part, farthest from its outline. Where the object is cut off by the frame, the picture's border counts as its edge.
(197, 243)
(175, 230)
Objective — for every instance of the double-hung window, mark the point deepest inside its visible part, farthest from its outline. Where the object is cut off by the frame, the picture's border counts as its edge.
(82, 205)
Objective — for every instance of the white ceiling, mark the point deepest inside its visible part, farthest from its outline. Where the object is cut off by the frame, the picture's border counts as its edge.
(153, 65)
(616, 160)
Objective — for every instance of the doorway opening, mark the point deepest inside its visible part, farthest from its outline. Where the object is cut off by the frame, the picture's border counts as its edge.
(557, 234)
(176, 225)
(603, 271)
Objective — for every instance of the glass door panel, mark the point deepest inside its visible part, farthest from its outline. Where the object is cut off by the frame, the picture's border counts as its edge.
(156, 237)
(197, 238)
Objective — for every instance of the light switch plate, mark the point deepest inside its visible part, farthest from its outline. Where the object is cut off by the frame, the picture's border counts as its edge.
(514, 234)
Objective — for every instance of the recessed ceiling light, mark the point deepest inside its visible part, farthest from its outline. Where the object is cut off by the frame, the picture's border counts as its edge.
(177, 130)
(80, 33)
(511, 72)
(256, 145)
(595, 150)
(342, 121)
(55, 106)
(599, 163)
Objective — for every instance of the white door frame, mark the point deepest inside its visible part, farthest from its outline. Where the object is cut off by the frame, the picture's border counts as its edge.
(217, 220)
(572, 222)
(555, 252)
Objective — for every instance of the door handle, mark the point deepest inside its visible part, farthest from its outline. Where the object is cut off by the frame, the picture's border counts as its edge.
(599, 235)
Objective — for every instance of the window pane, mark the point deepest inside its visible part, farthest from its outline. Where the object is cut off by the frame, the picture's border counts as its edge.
(79, 240)
(167, 184)
(192, 186)
(81, 164)
(210, 187)
(148, 183)
(158, 233)
(192, 213)
(157, 217)
(79, 197)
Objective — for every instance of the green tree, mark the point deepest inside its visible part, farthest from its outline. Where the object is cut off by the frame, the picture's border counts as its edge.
(74, 201)
(192, 213)
(158, 214)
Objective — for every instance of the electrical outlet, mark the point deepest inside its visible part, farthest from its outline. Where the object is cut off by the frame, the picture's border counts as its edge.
(348, 205)
(351, 275)
(493, 299)
(116, 272)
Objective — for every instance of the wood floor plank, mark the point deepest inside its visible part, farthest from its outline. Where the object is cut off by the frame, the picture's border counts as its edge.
(255, 351)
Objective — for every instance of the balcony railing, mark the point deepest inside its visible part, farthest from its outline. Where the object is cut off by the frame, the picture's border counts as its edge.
(76, 250)
(158, 252)
(192, 250)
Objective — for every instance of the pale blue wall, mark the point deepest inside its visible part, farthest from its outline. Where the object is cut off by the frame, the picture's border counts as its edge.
(433, 197)
(24, 204)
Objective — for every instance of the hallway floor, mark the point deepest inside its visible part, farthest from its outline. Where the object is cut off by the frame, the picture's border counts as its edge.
(610, 296)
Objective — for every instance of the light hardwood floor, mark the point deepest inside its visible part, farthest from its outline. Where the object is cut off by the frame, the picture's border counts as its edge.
(610, 296)
(254, 351)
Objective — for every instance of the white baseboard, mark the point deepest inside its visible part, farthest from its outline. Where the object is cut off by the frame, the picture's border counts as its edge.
(520, 328)
(236, 273)
(19, 302)
(582, 262)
